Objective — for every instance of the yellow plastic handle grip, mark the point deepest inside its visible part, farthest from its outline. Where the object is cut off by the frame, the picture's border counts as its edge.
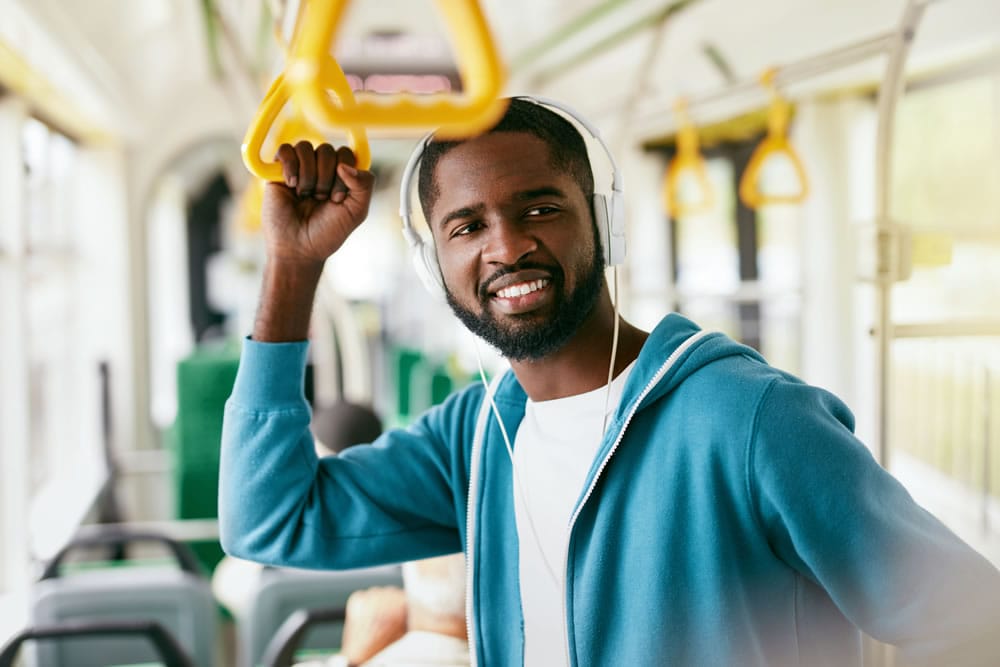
(274, 101)
(472, 111)
(688, 159)
(750, 181)
(677, 208)
(251, 201)
(775, 143)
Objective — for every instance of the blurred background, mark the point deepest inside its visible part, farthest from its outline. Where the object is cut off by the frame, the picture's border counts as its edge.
(131, 252)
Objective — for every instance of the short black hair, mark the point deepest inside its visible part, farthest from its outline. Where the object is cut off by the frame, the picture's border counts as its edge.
(567, 148)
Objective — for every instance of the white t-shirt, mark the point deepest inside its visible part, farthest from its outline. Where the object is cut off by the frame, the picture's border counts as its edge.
(554, 449)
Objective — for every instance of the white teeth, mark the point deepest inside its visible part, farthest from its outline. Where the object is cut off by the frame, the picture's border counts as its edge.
(522, 288)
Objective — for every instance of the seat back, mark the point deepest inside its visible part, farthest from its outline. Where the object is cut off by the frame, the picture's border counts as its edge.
(177, 600)
(281, 592)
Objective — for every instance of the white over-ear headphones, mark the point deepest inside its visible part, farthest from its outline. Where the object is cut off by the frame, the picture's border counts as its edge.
(609, 211)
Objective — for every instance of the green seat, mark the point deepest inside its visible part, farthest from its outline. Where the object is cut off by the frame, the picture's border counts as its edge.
(204, 383)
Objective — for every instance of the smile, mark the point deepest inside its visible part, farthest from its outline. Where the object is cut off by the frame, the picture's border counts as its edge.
(521, 289)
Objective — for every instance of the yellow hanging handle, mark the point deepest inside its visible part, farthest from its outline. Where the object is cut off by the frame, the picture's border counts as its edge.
(776, 142)
(688, 159)
(476, 109)
(248, 209)
(274, 101)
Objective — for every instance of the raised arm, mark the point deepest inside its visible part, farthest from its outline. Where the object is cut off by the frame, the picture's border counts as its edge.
(398, 499)
(306, 219)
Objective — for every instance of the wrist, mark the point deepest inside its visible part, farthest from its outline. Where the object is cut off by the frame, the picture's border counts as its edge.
(294, 265)
(287, 292)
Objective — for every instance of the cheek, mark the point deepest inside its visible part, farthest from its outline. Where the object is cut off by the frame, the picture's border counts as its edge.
(583, 255)
(456, 269)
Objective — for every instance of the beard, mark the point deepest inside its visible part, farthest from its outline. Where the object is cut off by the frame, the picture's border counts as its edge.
(532, 336)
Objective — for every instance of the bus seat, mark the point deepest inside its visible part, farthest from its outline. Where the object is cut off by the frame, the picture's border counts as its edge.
(174, 595)
(280, 592)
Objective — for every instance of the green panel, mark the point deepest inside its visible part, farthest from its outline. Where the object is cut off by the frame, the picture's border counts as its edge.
(421, 382)
(406, 361)
(204, 383)
(442, 384)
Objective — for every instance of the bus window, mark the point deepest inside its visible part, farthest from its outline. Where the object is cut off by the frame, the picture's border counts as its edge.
(737, 269)
(945, 416)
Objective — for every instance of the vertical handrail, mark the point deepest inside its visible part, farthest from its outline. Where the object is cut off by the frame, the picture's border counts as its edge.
(889, 93)
(987, 441)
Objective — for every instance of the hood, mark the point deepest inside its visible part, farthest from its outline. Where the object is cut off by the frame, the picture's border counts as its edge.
(667, 339)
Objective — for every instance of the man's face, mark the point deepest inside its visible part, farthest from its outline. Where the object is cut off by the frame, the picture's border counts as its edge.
(516, 243)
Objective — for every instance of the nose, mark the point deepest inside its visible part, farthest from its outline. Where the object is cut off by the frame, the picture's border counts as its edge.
(508, 242)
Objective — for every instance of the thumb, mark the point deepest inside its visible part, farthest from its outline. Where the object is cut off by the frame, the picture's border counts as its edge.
(360, 185)
(356, 179)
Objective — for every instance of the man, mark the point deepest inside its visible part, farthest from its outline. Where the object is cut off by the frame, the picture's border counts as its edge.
(723, 515)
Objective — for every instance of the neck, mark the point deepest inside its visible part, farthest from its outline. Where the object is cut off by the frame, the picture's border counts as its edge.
(582, 364)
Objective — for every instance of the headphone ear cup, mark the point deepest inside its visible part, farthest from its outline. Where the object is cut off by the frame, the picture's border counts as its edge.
(616, 228)
(603, 223)
(426, 264)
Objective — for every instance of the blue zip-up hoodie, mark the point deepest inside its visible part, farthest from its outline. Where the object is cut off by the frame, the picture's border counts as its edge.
(730, 517)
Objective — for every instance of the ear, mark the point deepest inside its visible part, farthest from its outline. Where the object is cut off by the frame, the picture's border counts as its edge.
(425, 263)
(601, 220)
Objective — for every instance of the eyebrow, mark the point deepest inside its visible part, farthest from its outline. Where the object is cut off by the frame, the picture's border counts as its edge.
(525, 195)
(545, 191)
(464, 212)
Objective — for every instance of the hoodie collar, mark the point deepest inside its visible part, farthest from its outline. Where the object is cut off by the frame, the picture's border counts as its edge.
(671, 332)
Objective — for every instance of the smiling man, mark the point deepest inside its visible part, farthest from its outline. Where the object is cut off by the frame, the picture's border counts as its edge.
(700, 508)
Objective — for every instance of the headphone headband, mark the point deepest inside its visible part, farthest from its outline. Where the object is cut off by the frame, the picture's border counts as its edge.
(609, 210)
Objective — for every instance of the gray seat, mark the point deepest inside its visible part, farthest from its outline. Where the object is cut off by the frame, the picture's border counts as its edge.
(282, 592)
(177, 598)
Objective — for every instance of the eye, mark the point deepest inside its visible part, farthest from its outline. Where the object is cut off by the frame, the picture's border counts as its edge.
(540, 211)
(467, 228)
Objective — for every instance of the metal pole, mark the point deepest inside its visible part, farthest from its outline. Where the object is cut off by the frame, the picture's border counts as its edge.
(987, 438)
(788, 74)
(888, 97)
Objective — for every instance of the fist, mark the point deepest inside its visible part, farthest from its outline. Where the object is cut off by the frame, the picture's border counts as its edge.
(320, 201)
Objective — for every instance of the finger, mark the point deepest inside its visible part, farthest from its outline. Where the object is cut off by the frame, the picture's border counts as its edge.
(355, 180)
(326, 171)
(359, 189)
(289, 161)
(344, 156)
(307, 169)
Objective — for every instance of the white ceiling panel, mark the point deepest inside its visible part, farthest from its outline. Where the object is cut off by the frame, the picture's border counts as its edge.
(150, 49)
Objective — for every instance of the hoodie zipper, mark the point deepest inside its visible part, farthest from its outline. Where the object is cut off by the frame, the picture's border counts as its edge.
(671, 360)
(470, 516)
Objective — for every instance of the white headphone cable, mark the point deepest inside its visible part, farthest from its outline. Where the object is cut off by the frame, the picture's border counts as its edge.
(614, 354)
(510, 452)
(506, 437)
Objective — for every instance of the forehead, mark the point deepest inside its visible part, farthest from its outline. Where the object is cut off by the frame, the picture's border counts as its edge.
(493, 165)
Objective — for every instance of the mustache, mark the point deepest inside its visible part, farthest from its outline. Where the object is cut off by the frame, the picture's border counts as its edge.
(484, 287)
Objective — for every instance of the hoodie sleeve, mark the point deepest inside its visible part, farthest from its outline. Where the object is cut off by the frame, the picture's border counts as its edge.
(280, 504)
(836, 516)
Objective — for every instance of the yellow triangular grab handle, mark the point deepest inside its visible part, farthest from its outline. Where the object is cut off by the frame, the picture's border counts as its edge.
(776, 142)
(474, 110)
(687, 159)
(248, 209)
(297, 127)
